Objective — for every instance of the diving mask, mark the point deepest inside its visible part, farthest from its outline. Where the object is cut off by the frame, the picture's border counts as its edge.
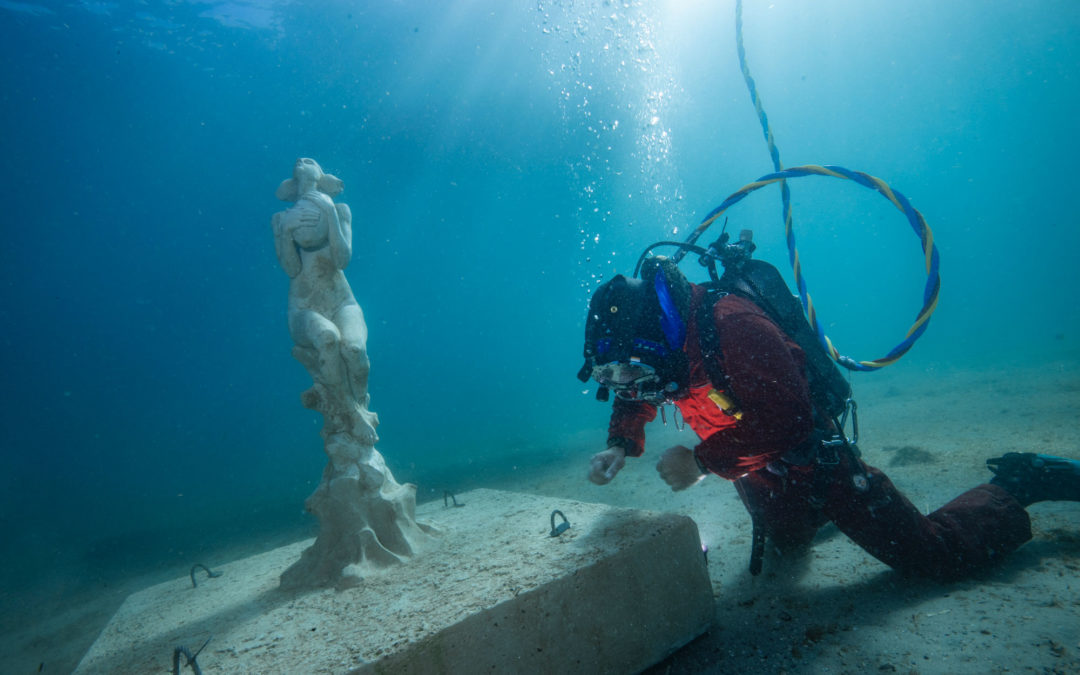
(632, 380)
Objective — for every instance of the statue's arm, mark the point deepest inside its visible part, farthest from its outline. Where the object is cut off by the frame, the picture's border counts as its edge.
(287, 254)
(341, 234)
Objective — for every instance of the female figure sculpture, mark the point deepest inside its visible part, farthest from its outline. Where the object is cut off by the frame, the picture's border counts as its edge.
(365, 517)
(313, 241)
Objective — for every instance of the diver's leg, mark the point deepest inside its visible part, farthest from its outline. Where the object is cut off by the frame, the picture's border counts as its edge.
(969, 533)
(780, 509)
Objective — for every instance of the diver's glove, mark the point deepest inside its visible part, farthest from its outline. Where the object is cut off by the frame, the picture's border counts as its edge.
(606, 464)
(679, 468)
(1032, 477)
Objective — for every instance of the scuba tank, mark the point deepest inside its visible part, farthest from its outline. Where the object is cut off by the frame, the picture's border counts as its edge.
(762, 284)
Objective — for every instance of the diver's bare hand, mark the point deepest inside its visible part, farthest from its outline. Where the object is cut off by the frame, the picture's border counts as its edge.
(606, 464)
(678, 467)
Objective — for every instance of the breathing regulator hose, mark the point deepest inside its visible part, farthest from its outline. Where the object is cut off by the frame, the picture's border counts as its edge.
(780, 175)
(918, 224)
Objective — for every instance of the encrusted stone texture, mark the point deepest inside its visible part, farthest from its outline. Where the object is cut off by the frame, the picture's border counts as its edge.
(366, 519)
(619, 614)
(615, 593)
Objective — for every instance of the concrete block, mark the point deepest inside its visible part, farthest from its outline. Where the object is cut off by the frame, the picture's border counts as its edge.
(615, 593)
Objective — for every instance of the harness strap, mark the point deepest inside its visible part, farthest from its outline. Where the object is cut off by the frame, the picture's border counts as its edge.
(709, 341)
(830, 455)
(757, 536)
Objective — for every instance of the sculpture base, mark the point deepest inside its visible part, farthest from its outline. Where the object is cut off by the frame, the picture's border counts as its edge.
(617, 592)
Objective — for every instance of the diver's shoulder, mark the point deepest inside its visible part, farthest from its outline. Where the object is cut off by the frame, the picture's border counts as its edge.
(731, 304)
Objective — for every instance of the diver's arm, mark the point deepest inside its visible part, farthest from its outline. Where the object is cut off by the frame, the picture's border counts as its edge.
(627, 426)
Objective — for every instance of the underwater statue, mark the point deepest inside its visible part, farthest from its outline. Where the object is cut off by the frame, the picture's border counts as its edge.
(365, 517)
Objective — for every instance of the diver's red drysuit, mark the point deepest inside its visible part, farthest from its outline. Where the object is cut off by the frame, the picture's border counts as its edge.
(789, 492)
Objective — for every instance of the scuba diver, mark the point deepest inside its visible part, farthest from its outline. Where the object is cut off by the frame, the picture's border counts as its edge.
(743, 367)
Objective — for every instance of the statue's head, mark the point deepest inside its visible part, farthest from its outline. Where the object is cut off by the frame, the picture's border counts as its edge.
(305, 172)
(308, 168)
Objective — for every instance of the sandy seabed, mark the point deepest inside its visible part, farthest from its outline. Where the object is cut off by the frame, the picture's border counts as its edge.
(834, 610)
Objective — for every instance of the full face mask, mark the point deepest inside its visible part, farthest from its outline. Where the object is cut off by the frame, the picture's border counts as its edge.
(633, 341)
(633, 381)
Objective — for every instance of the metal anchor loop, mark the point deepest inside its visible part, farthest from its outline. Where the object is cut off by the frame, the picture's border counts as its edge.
(556, 530)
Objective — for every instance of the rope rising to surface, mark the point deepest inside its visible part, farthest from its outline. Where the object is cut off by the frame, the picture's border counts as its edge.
(781, 176)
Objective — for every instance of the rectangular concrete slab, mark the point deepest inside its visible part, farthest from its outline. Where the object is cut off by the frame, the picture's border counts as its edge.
(615, 593)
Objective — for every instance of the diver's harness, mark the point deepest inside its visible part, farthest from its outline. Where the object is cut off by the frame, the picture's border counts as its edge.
(828, 446)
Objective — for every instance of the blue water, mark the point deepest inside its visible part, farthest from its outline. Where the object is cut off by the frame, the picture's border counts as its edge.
(500, 158)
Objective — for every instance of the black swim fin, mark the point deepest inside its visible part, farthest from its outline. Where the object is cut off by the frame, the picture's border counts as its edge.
(1032, 477)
